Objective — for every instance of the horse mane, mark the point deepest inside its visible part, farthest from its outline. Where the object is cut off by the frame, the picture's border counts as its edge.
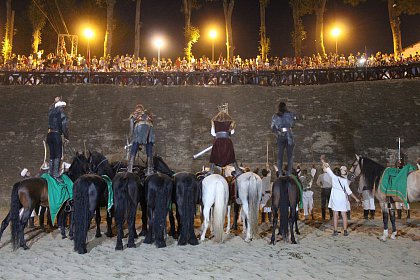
(371, 171)
(161, 166)
(77, 167)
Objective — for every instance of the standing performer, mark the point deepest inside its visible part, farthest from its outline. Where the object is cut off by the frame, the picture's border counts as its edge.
(281, 124)
(142, 133)
(57, 126)
(222, 127)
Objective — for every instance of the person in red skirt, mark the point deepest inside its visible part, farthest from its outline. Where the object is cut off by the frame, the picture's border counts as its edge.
(222, 153)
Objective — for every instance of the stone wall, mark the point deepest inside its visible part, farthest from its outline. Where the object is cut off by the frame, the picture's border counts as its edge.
(338, 120)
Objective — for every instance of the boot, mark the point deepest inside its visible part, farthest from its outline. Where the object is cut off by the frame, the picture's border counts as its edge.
(51, 168)
(31, 222)
(263, 217)
(372, 214)
(149, 170)
(399, 213)
(366, 214)
(57, 170)
(130, 164)
(323, 213)
(238, 171)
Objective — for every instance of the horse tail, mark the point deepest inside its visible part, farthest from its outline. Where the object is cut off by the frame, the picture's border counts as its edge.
(81, 213)
(163, 197)
(15, 206)
(220, 203)
(284, 205)
(120, 186)
(253, 204)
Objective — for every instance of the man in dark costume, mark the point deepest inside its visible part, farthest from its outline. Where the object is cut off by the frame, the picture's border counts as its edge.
(142, 133)
(222, 152)
(57, 126)
(281, 124)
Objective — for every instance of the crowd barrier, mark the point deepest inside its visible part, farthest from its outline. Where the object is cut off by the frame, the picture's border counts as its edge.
(231, 77)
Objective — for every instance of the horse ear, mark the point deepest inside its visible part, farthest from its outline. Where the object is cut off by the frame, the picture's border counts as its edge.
(357, 156)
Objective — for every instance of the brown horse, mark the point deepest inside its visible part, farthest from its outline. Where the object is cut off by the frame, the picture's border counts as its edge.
(371, 173)
(30, 194)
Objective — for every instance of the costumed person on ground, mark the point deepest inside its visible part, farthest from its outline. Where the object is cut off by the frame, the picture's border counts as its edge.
(308, 194)
(368, 198)
(343, 173)
(266, 193)
(324, 182)
(222, 152)
(339, 195)
(281, 124)
(57, 126)
(142, 133)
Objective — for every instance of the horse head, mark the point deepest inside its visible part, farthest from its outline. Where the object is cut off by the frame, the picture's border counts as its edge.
(99, 164)
(161, 166)
(78, 167)
(355, 169)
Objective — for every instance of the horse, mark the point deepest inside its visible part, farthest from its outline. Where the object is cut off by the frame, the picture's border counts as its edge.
(371, 173)
(232, 201)
(215, 191)
(159, 191)
(31, 193)
(285, 194)
(186, 189)
(126, 188)
(249, 187)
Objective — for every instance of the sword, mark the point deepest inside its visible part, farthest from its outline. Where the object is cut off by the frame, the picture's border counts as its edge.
(45, 164)
(202, 152)
(127, 149)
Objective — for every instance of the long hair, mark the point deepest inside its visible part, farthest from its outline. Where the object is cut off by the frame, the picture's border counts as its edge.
(371, 171)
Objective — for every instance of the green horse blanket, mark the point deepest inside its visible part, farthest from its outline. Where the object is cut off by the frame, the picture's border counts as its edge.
(394, 182)
(300, 189)
(58, 193)
(110, 191)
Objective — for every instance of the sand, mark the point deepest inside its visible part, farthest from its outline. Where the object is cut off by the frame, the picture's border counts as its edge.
(317, 255)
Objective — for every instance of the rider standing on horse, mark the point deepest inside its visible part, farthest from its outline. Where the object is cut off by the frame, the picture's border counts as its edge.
(281, 124)
(57, 126)
(222, 152)
(142, 133)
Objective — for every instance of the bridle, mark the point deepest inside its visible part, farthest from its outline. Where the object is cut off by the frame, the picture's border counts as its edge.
(351, 176)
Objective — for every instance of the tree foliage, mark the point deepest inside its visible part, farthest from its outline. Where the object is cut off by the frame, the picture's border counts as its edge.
(38, 21)
(193, 34)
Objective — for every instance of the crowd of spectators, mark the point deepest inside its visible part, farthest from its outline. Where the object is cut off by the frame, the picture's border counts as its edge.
(130, 63)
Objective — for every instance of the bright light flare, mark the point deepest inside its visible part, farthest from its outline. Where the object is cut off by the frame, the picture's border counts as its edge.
(88, 33)
(158, 42)
(335, 32)
(213, 33)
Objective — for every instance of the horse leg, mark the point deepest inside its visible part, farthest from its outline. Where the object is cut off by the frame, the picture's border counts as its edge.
(385, 220)
(143, 206)
(228, 219)
(131, 227)
(120, 235)
(275, 219)
(41, 218)
(4, 224)
(171, 221)
(392, 218)
(245, 215)
(109, 215)
(150, 220)
(206, 214)
(98, 222)
(296, 222)
(236, 208)
(23, 221)
(292, 222)
(71, 226)
(62, 216)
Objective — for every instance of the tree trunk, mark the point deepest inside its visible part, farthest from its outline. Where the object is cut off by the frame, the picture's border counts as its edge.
(109, 27)
(187, 8)
(137, 26)
(296, 38)
(394, 21)
(263, 35)
(7, 48)
(228, 10)
(319, 30)
(36, 39)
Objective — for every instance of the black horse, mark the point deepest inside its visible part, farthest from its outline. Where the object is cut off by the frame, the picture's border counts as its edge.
(186, 189)
(126, 188)
(285, 194)
(30, 194)
(159, 190)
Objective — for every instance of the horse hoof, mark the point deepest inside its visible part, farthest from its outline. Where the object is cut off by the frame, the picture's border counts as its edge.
(81, 252)
(108, 234)
(143, 233)
(136, 235)
(383, 238)
(161, 244)
(131, 245)
(63, 237)
(294, 242)
(25, 247)
(148, 240)
(98, 235)
(193, 241)
(71, 238)
(119, 247)
(272, 242)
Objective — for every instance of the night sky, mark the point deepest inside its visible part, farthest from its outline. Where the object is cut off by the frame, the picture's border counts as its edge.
(367, 27)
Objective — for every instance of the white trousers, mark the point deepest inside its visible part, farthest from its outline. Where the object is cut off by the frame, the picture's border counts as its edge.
(308, 202)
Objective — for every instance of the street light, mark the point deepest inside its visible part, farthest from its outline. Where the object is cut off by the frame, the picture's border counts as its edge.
(158, 42)
(212, 35)
(336, 32)
(88, 33)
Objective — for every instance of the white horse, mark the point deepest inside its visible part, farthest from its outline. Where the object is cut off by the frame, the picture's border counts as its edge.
(371, 173)
(249, 187)
(215, 192)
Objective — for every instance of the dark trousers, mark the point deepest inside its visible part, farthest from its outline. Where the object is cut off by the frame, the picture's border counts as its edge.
(55, 145)
(135, 148)
(282, 144)
(325, 198)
